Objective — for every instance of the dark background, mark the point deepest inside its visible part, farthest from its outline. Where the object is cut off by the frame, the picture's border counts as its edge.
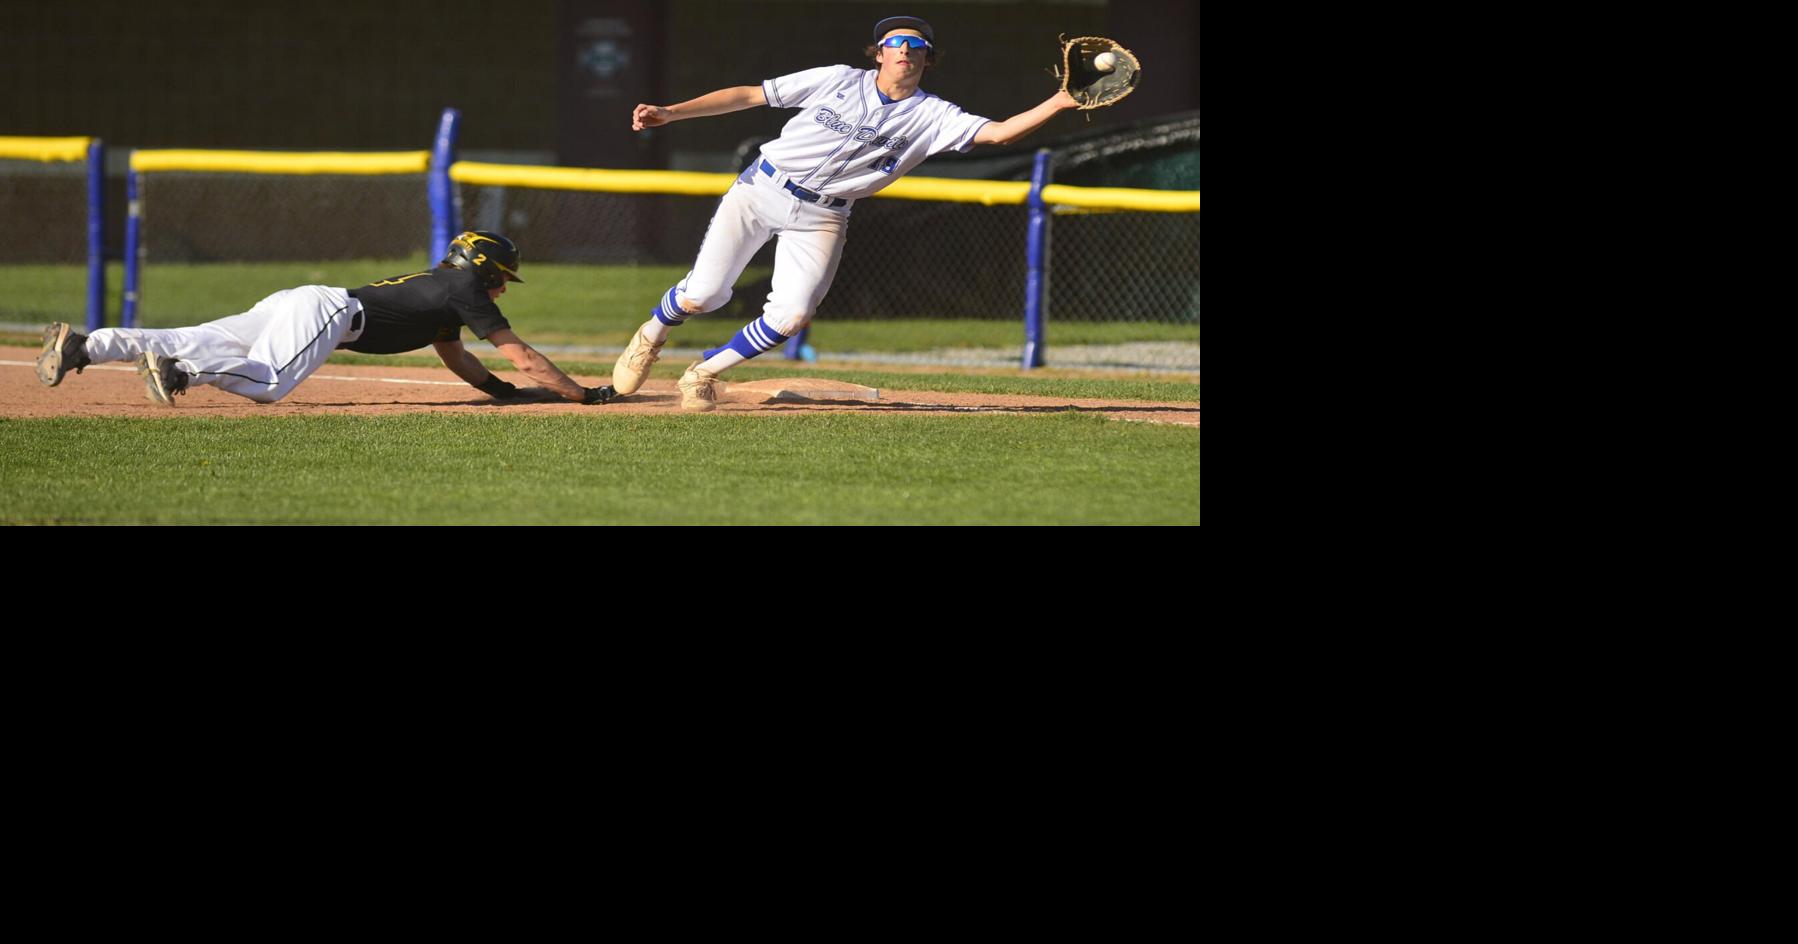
(542, 80)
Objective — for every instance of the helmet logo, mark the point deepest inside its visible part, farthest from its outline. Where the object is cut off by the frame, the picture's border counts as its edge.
(462, 248)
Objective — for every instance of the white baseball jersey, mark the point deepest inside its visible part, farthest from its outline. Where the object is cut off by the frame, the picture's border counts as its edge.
(845, 143)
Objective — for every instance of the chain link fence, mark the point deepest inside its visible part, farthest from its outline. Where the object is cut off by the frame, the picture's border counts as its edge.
(587, 228)
(213, 244)
(1123, 286)
(938, 280)
(44, 275)
(1132, 274)
(921, 281)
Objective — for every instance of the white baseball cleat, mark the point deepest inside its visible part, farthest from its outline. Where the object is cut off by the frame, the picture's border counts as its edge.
(633, 365)
(698, 390)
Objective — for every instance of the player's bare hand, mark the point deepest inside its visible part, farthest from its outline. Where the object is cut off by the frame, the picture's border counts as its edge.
(649, 116)
(1063, 100)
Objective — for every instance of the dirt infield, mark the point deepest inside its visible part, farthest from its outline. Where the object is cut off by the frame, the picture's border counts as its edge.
(116, 390)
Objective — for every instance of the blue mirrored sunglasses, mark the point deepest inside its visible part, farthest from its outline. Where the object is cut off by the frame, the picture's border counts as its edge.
(915, 42)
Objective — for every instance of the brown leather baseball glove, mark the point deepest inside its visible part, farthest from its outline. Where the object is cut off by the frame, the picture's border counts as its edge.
(1090, 85)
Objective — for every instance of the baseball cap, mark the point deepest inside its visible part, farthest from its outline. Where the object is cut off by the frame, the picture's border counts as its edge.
(892, 23)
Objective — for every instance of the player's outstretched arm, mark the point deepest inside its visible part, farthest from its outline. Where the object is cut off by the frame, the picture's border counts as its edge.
(535, 366)
(721, 102)
(462, 362)
(1022, 123)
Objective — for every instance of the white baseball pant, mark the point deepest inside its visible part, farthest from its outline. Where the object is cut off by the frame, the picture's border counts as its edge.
(753, 211)
(262, 354)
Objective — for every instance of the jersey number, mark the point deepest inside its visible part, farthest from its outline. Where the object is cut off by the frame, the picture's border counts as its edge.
(885, 165)
(403, 278)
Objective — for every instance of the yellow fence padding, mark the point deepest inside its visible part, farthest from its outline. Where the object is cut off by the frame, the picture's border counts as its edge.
(277, 162)
(44, 149)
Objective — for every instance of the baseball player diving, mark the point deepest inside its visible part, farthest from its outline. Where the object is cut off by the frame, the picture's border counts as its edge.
(266, 352)
(857, 131)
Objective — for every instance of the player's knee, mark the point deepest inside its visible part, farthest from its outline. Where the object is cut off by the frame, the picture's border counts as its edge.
(680, 303)
(272, 394)
(700, 299)
(787, 323)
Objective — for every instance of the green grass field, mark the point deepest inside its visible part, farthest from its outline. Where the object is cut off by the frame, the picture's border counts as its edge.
(559, 304)
(598, 469)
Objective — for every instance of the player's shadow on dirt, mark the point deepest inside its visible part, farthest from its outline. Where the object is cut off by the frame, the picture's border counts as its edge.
(431, 404)
(953, 408)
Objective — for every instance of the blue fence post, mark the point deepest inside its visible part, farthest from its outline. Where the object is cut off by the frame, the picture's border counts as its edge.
(446, 207)
(1036, 259)
(133, 250)
(799, 347)
(96, 235)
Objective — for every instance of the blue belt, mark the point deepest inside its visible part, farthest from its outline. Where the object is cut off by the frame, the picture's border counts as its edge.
(809, 196)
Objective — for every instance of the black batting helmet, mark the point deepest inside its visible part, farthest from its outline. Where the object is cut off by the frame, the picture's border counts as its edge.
(491, 255)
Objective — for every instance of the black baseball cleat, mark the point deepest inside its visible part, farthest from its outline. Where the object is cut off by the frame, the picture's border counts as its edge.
(65, 349)
(162, 379)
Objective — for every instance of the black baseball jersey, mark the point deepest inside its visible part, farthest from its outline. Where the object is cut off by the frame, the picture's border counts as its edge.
(407, 312)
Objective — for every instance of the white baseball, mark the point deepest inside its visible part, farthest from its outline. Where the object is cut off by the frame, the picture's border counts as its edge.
(1105, 62)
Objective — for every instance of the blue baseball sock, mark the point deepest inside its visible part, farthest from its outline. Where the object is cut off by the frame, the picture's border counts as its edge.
(669, 311)
(755, 338)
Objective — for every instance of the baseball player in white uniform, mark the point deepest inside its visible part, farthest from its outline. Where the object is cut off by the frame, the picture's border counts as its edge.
(857, 131)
